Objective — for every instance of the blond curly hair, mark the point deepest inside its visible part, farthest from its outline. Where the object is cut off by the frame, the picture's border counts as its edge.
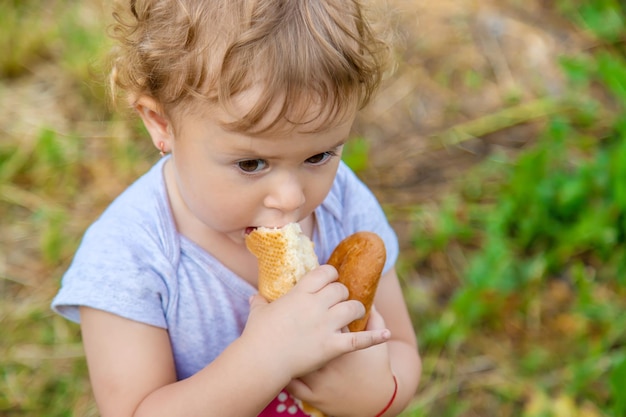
(299, 51)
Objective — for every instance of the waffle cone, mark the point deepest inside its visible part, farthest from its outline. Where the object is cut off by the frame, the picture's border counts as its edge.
(284, 256)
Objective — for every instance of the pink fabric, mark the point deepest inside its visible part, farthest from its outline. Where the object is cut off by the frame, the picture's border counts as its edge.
(284, 405)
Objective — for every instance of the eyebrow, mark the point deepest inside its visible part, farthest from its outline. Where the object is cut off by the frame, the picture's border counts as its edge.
(340, 143)
(239, 150)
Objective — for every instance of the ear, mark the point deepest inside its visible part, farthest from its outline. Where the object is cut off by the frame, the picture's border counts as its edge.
(158, 125)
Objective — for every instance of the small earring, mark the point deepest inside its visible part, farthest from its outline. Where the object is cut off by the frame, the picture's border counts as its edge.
(162, 149)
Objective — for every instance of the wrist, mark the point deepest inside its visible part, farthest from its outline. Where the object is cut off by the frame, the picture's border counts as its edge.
(271, 368)
(391, 399)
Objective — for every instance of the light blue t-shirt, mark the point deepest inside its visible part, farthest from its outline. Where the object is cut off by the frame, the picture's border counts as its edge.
(132, 262)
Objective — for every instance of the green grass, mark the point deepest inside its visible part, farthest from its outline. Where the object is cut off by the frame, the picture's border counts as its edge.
(57, 171)
(527, 254)
(537, 247)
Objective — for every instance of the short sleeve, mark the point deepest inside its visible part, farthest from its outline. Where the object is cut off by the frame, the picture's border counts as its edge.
(111, 272)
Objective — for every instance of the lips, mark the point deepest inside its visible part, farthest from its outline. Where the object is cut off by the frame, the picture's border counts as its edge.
(251, 229)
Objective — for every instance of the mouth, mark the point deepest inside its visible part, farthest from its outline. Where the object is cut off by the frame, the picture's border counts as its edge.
(251, 229)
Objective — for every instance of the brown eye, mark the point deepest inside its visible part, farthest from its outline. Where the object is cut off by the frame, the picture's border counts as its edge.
(319, 158)
(252, 165)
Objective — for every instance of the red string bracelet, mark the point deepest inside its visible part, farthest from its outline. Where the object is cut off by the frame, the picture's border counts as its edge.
(393, 397)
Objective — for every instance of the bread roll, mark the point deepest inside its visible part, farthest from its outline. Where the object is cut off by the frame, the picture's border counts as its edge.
(359, 260)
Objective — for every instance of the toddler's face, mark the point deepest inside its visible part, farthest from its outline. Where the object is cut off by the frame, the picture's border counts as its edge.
(232, 181)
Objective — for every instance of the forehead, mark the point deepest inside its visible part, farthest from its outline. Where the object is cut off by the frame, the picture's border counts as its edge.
(280, 116)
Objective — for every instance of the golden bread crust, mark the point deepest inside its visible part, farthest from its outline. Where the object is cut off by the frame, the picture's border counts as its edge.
(359, 260)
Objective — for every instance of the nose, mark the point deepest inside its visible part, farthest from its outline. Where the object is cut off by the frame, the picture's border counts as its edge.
(286, 193)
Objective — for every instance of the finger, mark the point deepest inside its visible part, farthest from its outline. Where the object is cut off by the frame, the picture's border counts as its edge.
(362, 340)
(317, 279)
(334, 293)
(346, 312)
(375, 320)
(299, 389)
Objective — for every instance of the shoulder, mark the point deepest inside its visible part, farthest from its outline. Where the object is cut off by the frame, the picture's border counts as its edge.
(130, 250)
(351, 207)
(346, 192)
(139, 219)
(352, 203)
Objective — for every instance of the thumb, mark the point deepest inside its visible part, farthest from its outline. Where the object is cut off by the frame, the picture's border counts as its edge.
(298, 388)
(375, 321)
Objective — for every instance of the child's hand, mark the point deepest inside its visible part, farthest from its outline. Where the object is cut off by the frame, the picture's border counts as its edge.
(362, 378)
(303, 330)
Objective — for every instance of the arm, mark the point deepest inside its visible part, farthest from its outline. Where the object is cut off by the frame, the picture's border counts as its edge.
(403, 350)
(132, 369)
(132, 373)
(361, 383)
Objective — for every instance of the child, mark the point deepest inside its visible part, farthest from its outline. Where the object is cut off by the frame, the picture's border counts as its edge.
(252, 100)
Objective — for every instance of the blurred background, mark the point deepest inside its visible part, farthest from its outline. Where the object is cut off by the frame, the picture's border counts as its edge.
(497, 148)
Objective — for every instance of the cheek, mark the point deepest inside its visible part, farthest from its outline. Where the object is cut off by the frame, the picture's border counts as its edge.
(318, 189)
(213, 198)
(226, 200)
